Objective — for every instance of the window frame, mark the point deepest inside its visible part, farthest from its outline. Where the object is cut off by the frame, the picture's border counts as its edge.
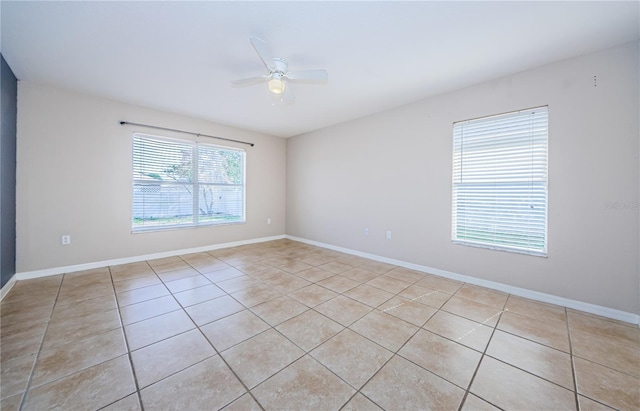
(495, 240)
(195, 182)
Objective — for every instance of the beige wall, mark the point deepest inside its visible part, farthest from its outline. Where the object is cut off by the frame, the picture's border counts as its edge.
(74, 177)
(392, 171)
(387, 171)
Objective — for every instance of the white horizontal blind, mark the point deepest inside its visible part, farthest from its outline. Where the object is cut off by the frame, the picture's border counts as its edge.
(179, 183)
(500, 181)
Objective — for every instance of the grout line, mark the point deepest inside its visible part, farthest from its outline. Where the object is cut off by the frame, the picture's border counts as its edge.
(44, 335)
(350, 398)
(392, 308)
(411, 299)
(626, 373)
(482, 323)
(393, 354)
(197, 327)
(427, 294)
(533, 341)
(296, 255)
(218, 352)
(126, 341)
(571, 357)
(231, 369)
(484, 352)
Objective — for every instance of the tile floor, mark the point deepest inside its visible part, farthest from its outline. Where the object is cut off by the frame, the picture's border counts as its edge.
(285, 325)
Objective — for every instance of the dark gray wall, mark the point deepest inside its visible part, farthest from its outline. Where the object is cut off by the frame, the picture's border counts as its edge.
(8, 101)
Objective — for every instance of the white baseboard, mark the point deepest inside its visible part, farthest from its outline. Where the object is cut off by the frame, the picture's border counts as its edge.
(521, 292)
(27, 275)
(7, 287)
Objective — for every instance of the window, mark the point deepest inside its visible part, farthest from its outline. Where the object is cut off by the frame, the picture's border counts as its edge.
(179, 183)
(500, 182)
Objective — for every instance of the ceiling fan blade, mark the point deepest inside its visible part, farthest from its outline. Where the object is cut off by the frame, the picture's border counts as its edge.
(249, 81)
(309, 75)
(261, 49)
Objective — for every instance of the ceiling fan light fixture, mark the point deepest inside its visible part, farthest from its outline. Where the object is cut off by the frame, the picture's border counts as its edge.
(276, 85)
(278, 75)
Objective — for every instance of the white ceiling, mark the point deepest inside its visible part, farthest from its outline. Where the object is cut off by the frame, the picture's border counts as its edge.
(181, 56)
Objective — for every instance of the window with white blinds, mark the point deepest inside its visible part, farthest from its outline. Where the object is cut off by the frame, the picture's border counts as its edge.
(500, 182)
(180, 183)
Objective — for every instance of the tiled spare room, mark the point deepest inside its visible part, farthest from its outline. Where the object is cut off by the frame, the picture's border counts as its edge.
(283, 325)
(319, 205)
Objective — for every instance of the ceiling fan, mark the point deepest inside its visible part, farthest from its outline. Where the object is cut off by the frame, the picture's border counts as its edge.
(279, 76)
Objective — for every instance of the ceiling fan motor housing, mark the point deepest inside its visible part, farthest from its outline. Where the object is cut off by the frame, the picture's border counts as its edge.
(279, 75)
(280, 66)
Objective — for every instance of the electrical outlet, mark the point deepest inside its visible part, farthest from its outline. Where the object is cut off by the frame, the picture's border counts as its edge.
(388, 234)
(65, 239)
(268, 221)
(366, 231)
